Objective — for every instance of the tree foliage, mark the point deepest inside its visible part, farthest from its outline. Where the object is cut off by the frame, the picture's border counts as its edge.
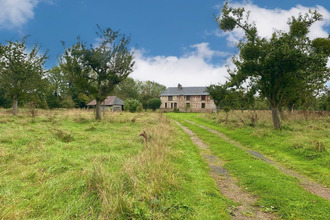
(219, 94)
(97, 69)
(278, 67)
(128, 88)
(132, 105)
(144, 91)
(21, 72)
(154, 104)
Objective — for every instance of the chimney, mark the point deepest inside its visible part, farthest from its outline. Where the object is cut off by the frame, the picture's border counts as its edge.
(179, 86)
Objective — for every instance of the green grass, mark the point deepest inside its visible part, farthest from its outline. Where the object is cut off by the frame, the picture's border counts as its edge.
(63, 164)
(277, 192)
(302, 145)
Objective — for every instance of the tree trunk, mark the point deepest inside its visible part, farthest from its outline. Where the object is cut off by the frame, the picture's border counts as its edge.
(292, 108)
(276, 118)
(217, 109)
(98, 113)
(104, 109)
(15, 104)
(282, 115)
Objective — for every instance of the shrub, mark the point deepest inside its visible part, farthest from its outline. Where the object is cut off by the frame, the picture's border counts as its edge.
(132, 105)
(176, 110)
(226, 109)
(154, 103)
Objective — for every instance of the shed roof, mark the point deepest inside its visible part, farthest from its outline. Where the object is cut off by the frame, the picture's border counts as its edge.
(170, 91)
(110, 100)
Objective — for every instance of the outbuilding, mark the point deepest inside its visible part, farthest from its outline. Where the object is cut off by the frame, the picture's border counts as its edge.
(112, 103)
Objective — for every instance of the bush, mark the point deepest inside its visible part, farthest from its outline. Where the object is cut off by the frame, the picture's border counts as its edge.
(176, 110)
(132, 105)
(154, 103)
(226, 109)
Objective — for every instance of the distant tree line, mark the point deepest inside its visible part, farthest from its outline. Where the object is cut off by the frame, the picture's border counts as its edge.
(286, 71)
(85, 72)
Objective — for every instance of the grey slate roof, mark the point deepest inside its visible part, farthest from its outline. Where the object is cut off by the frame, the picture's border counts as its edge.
(170, 91)
(110, 100)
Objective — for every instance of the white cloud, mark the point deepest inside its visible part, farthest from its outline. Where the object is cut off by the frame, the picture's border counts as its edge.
(203, 50)
(15, 13)
(269, 20)
(192, 69)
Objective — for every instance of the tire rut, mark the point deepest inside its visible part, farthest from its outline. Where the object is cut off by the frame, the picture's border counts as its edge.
(227, 185)
(308, 184)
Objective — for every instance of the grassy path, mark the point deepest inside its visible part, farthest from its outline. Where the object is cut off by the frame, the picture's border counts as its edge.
(305, 182)
(298, 146)
(277, 192)
(227, 184)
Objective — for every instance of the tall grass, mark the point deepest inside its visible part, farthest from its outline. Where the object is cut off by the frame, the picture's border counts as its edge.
(64, 164)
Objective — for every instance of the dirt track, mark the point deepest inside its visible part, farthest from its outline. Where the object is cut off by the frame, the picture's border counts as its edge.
(308, 184)
(227, 184)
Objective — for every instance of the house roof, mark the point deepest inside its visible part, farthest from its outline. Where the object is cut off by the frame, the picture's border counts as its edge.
(170, 91)
(110, 100)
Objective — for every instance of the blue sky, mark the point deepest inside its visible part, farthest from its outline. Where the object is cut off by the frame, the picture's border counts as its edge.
(175, 41)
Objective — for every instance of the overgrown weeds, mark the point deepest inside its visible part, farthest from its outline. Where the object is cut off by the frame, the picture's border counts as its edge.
(66, 165)
(63, 136)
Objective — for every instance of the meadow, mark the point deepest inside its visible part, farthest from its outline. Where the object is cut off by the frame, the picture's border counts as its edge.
(62, 164)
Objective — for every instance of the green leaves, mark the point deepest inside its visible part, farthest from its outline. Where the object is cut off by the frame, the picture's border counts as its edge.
(97, 69)
(21, 72)
(282, 65)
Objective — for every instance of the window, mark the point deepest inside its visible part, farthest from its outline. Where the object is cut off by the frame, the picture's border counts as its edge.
(171, 105)
(203, 105)
(175, 105)
(203, 97)
(170, 98)
(188, 97)
(187, 105)
(165, 105)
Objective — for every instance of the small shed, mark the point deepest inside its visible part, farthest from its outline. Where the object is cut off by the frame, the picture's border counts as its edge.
(112, 103)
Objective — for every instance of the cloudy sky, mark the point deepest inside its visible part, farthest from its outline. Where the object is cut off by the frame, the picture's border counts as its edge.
(174, 41)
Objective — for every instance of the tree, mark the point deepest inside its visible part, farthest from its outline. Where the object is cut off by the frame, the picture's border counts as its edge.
(219, 94)
(97, 69)
(132, 105)
(278, 67)
(154, 103)
(57, 87)
(324, 101)
(5, 102)
(128, 88)
(21, 72)
(150, 90)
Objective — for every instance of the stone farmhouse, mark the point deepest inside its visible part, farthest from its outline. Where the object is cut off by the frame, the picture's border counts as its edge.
(186, 99)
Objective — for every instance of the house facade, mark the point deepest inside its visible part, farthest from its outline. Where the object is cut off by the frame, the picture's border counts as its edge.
(112, 103)
(186, 99)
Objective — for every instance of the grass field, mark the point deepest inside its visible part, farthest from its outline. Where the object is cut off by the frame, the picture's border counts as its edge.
(63, 164)
(303, 144)
(277, 192)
